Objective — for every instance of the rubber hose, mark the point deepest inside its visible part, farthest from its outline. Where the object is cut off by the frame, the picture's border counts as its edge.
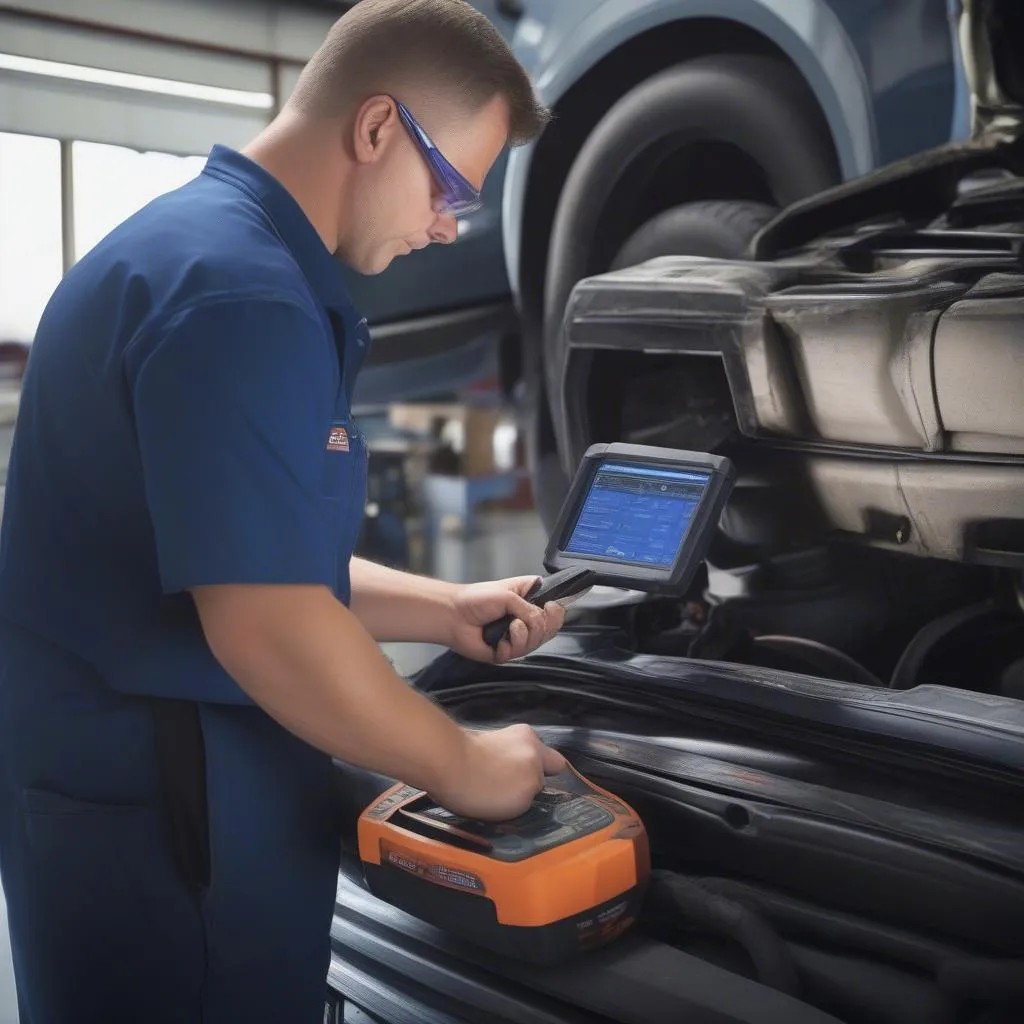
(859, 991)
(770, 955)
(905, 674)
(831, 926)
(965, 976)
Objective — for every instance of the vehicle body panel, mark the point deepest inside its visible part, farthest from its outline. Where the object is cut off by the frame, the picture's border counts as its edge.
(881, 98)
(885, 366)
(865, 78)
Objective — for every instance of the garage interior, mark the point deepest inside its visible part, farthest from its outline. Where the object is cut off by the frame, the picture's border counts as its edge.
(106, 104)
(835, 728)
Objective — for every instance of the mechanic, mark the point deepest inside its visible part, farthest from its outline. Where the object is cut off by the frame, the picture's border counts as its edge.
(186, 641)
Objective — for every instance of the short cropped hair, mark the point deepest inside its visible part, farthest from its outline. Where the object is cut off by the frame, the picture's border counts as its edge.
(430, 46)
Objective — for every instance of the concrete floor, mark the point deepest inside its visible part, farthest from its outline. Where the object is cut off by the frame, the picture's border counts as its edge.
(507, 544)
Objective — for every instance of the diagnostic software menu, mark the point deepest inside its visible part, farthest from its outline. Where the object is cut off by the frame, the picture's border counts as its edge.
(637, 514)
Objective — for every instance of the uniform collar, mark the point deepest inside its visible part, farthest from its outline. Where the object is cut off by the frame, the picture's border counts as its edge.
(318, 265)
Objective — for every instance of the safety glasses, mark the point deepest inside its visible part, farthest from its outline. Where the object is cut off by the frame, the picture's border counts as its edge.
(458, 196)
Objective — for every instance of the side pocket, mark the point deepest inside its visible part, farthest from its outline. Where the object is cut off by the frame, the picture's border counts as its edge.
(47, 804)
(91, 858)
(109, 917)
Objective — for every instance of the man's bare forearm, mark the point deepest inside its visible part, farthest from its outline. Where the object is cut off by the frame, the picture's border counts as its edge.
(399, 606)
(310, 664)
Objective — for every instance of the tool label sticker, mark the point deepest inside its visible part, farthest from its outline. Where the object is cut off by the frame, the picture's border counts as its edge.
(604, 926)
(457, 877)
(439, 874)
(337, 440)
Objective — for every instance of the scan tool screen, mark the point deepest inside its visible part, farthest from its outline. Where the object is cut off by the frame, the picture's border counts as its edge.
(637, 514)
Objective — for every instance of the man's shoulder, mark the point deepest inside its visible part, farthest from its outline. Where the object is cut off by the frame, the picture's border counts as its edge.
(204, 242)
(205, 253)
(209, 239)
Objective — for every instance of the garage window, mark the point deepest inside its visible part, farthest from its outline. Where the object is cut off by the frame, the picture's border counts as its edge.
(112, 182)
(30, 259)
(30, 232)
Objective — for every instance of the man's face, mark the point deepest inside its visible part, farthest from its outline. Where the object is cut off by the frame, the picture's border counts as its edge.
(394, 203)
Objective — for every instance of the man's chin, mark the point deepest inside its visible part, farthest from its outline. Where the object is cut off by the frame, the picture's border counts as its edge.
(381, 260)
(385, 258)
(372, 267)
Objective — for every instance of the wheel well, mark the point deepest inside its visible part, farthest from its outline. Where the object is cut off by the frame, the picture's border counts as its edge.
(730, 175)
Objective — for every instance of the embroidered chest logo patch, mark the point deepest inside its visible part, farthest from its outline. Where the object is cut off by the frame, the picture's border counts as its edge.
(337, 440)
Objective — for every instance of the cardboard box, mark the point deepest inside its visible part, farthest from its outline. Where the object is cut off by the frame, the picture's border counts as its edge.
(472, 438)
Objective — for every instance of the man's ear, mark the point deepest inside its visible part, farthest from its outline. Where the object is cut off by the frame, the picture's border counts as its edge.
(375, 123)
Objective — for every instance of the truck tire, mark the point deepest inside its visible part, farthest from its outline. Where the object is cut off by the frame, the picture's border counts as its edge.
(755, 103)
(720, 229)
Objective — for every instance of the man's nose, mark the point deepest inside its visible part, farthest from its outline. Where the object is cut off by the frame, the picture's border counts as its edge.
(444, 230)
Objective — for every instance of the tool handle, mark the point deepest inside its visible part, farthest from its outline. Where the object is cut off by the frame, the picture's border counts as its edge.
(494, 632)
(561, 585)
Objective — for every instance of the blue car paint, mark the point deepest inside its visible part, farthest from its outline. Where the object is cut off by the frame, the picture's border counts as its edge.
(961, 128)
(885, 72)
(842, 48)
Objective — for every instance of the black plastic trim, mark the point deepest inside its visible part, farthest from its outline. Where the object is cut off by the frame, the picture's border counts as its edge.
(920, 187)
(966, 837)
(389, 1003)
(387, 944)
(951, 730)
(634, 981)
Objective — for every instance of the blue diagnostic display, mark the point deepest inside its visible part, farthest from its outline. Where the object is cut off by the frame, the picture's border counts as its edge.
(637, 514)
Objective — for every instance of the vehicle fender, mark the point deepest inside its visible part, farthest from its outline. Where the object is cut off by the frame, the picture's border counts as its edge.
(559, 52)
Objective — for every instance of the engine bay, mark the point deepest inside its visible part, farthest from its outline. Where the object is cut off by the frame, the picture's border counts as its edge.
(869, 388)
(796, 862)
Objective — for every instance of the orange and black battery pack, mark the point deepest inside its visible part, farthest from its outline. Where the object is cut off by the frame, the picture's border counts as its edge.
(567, 876)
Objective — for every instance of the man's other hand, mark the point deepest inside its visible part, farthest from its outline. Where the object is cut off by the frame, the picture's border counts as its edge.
(505, 769)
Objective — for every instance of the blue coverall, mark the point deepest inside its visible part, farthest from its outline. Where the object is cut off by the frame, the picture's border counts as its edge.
(169, 853)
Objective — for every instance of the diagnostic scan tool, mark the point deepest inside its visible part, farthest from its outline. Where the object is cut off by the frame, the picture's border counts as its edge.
(569, 875)
(636, 517)
(565, 877)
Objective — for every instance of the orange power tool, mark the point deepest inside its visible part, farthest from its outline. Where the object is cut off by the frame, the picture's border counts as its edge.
(568, 875)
